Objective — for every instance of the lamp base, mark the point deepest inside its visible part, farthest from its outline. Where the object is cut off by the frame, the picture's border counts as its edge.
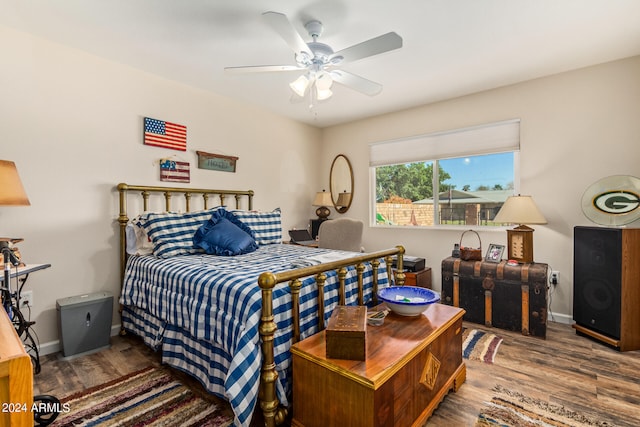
(323, 212)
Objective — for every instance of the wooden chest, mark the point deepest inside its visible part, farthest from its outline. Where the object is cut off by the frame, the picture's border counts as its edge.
(347, 333)
(499, 295)
(412, 363)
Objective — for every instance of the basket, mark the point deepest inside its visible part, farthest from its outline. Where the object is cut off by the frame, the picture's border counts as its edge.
(470, 254)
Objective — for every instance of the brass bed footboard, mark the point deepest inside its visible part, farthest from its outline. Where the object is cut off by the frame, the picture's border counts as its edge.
(273, 413)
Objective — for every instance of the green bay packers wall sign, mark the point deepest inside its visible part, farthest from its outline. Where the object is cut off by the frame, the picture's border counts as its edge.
(614, 200)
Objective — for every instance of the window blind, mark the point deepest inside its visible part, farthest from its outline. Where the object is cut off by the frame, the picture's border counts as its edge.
(476, 140)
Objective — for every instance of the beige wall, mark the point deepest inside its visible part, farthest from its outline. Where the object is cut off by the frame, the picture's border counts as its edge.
(576, 128)
(72, 122)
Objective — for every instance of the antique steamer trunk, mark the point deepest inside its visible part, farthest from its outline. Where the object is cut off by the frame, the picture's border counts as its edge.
(499, 295)
(347, 333)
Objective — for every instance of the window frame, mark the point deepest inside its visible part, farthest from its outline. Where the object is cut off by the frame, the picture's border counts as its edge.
(510, 143)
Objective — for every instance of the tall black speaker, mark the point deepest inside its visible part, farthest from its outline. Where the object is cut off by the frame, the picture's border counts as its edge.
(606, 278)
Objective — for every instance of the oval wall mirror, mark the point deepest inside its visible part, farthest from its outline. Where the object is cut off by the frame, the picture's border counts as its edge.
(341, 183)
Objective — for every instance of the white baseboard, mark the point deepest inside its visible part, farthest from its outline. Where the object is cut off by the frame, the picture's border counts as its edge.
(54, 346)
(567, 319)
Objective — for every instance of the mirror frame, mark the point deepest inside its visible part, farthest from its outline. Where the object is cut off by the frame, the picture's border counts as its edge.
(336, 192)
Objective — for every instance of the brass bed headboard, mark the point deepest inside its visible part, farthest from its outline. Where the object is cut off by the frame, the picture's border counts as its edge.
(167, 192)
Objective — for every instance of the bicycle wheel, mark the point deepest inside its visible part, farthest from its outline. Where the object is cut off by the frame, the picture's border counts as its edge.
(47, 409)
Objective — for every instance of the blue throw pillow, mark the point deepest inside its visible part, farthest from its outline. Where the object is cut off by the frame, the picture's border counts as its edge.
(223, 234)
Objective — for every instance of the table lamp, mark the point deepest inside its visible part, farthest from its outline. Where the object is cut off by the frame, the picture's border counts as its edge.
(322, 200)
(520, 210)
(11, 190)
(11, 194)
(344, 199)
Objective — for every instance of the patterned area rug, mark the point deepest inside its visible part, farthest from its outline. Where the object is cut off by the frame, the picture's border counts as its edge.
(150, 397)
(478, 345)
(512, 409)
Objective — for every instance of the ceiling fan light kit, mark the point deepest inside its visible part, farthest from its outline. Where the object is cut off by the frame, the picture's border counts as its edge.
(319, 61)
(320, 83)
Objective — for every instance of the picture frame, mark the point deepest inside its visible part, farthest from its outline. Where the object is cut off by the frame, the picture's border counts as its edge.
(494, 253)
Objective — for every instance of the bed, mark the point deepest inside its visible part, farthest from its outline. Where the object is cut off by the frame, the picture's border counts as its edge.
(229, 321)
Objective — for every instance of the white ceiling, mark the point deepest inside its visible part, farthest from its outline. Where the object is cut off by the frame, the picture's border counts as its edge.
(450, 47)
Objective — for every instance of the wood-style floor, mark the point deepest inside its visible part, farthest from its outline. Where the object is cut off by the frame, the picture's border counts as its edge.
(583, 375)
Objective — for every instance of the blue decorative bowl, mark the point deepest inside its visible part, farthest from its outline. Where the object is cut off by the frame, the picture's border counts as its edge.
(408, 300)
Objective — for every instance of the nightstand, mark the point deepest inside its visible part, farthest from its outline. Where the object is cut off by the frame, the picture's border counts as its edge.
(420, 278)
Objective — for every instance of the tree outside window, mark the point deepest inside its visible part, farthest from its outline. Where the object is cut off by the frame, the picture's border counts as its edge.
(470, 190)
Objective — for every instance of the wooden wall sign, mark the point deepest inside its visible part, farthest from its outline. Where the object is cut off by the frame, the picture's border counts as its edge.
(216, 162)
(174, 171)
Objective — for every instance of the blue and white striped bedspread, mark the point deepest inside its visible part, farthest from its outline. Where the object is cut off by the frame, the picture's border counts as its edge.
(217, 301)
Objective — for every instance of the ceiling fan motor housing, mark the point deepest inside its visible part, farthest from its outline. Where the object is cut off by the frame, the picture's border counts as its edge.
(314, 28)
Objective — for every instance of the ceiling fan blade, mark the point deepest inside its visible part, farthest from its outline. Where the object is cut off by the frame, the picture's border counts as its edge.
(356, 82)
(374, 46)
(262, 68)
(280, 23)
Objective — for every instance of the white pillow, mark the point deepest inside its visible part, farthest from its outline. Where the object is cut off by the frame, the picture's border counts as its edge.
(138, 242)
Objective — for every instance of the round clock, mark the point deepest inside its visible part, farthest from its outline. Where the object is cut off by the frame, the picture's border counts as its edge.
(613, 200)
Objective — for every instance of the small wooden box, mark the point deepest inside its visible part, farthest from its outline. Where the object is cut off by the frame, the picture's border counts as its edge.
(347, 333)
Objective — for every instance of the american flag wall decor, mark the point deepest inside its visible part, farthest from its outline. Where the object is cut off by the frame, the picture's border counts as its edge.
(174, 171)
(165, 134)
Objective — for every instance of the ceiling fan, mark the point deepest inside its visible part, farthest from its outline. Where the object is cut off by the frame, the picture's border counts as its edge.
(319, 62)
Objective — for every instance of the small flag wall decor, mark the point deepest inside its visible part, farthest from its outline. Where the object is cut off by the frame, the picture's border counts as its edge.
(174, 171)
(165, 134)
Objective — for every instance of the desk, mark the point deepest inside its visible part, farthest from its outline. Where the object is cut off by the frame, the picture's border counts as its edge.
(25, 270)
(411, 364)
(309, 245)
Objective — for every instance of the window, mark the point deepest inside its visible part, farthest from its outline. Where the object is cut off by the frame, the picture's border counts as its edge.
(460, 177)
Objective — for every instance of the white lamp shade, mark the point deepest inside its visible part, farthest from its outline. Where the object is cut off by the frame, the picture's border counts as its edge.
(322, 94)
(11, 190)
(299, 85)
(323, 81)
(520, 210)
(323, 198)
